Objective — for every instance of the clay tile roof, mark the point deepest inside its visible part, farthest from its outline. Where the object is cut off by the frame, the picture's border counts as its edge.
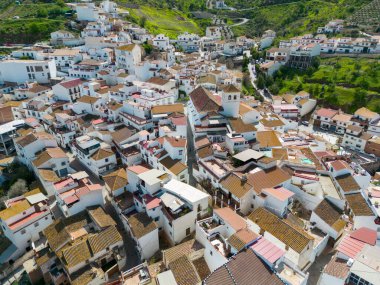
(355, 128)
(114, 106)
(176, 142)
(235, 185)
(58, 233)
(244, 268)
(327, 113)
(339, 165)
(175, 166)
(71, 83)
(294, 237)
(88, 99)
(49, 175)
(185, 248)
(330, 214)
(120, 135)
(141, 224)
(127, 47)
(102, 153)
(347, 183)
(230, 88)
(267, 178)
(104, 239)
(342, 117)
(100, 217)
(241, 238)
(268, 139)
(184, 271)
(116, 180)
(337, 267)
(289, 98)
(240, 127)
(138, 169)
(15, 209)
(231, 217)
(76, 253)
(205, 151)
(364, 112)
(358, 205)
(165, 109)
(157, 81)
(204, 101)
(244, 108)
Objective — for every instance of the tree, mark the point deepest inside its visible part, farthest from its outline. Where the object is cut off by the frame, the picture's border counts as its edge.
(260, 82)
(274, 89)
(18, 188)
(299, 87)
(42, 13)
(142, 21)
(245, 63)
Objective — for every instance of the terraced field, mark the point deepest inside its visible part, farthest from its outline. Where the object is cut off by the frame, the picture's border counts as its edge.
(368, 16)
(166, 21)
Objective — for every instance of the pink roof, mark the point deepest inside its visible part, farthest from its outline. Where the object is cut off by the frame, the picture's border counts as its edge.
(375, 193)
(267, 250)
(62, 184)
(339, 165)
(94, 187)
(98, 121)
(179, 121)
(67, 193)
(71, 199)
(151, 202)
(138, 169)
(25, 220)
(281, 193)
(71, 83)
(365, 235)
(231, 217)
(350, 246)
(82, 191)
(327, 113)
(321, 154)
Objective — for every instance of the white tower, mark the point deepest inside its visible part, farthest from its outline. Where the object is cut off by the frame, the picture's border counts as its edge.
(231, 101)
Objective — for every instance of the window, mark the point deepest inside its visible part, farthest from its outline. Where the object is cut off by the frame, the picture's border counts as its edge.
(36, 224)
(23, 231)
(180, 152)
(210, 252)
(187, 231)
(63, 163)
(157, 219)
(106, 159)
(38, 68)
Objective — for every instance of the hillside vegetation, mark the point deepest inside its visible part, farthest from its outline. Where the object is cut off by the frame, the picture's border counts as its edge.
(163, 20)
(30, 21)
(347, 83)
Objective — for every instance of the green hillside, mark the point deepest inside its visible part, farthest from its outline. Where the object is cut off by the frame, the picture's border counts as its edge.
(30, 20)
(163, 20)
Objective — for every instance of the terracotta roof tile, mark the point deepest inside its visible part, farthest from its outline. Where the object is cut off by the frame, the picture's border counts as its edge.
(289, 234)
(358, 205)
(141, 224)
(204, 101)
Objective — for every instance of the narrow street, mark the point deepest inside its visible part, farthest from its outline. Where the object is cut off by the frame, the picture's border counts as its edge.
(132, 255)
(252, 75)
(191, 159)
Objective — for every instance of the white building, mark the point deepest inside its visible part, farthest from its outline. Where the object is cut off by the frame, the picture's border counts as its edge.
(23, 221)
(21, 71)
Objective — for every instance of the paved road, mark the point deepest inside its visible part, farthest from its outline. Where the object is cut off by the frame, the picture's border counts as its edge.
(318, 265)
(252, 75)
(77, 166)
(133, 257)
(191, 158)
(243, 21)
